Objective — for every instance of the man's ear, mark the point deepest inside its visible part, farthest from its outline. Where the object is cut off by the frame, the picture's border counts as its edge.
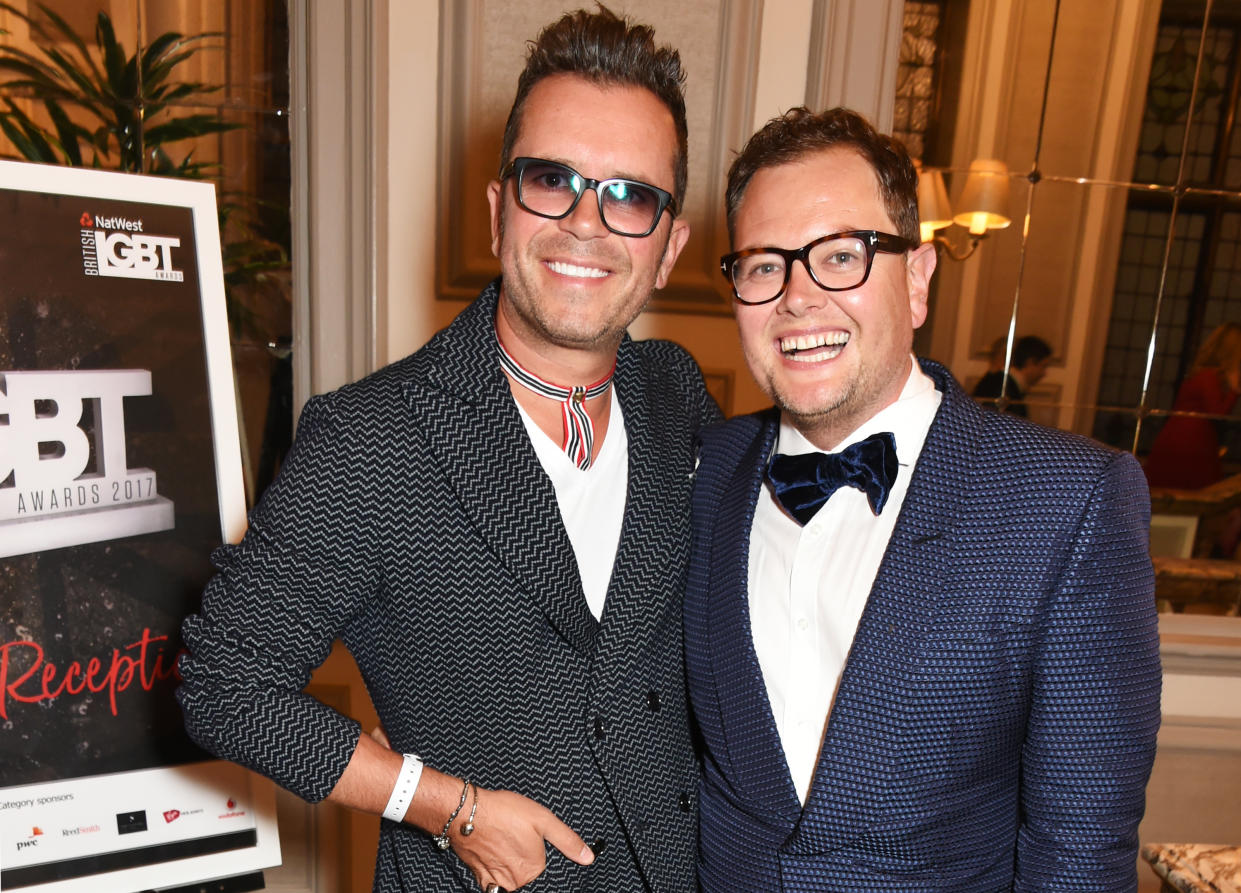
(495, 195)
(919, 267)
(676, 241)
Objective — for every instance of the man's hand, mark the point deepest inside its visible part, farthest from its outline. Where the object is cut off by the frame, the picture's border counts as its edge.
(506, 846)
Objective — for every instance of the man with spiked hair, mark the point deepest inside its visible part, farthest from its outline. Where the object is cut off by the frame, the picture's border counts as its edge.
(497, 528)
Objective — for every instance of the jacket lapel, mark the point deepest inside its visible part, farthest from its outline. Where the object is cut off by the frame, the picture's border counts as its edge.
(862, 741)
(753, 742)
(647, 574)
(463, 409)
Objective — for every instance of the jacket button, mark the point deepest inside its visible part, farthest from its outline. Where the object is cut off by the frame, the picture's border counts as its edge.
(684, 802)
(597, 845)
(652, 700)
(599, 727)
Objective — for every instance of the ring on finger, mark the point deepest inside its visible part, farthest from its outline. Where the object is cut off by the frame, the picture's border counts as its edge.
(494, 888)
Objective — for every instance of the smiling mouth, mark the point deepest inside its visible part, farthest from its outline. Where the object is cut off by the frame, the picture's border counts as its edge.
(814, 348)
(564, 269)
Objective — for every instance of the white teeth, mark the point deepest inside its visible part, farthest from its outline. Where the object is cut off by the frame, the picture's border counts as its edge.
(808, 342)
(574, 270)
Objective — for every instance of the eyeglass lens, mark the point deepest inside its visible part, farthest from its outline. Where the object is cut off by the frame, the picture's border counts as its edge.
(837, 264)
(626, 206)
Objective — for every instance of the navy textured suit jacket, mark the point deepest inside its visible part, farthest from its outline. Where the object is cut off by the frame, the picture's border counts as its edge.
(995, 723)
(414, 521)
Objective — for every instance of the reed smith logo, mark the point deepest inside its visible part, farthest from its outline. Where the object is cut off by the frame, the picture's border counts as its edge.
(118, 247)
(64, 470)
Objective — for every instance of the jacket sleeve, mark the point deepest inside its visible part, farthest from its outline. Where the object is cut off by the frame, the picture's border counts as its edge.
(1094, 713)
(271, 614)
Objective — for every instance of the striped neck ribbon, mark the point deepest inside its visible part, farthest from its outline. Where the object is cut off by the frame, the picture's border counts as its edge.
(579, 431)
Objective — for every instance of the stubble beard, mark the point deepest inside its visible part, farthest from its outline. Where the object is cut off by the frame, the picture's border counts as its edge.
(553, 328)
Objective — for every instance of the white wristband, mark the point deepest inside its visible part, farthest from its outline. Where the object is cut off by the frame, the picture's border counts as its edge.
(403, 790)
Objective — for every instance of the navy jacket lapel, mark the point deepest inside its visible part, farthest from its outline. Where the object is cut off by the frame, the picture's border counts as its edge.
(862, 740)
(462, 407)
(754, 748)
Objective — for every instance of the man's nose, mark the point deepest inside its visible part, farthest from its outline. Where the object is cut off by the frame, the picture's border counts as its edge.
(585, 221)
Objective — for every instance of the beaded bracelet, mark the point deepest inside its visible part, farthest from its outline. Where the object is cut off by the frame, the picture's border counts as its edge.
(468, 828)
(442, 840)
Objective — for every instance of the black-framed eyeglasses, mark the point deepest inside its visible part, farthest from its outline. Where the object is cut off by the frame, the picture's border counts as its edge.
(836, 262)
(550, 189)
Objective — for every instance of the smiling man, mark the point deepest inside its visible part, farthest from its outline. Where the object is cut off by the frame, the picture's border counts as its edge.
(497, 527)
(921, 637)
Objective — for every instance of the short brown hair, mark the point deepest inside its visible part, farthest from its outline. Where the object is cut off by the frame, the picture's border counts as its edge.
(799, 132)
(611, 51)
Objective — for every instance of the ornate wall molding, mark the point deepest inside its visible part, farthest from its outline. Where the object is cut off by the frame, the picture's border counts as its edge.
(481, 52)
(841, 31)
(335, 244)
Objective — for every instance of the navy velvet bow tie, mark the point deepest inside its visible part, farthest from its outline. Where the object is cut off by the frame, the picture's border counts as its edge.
(804, 482)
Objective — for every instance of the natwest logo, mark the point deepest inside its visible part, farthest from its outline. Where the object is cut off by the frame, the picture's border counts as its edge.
(118, 247)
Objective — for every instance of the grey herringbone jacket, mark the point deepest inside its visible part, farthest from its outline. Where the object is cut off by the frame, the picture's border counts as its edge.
(413, 521)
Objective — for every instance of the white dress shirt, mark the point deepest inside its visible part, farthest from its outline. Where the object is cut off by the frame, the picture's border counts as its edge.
(808, 585)
(591, 501)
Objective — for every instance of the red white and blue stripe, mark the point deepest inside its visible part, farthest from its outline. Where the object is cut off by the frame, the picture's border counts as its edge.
(579, 431)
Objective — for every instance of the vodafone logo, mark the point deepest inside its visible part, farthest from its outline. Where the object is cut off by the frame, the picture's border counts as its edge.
(233, 811)
(171, 815)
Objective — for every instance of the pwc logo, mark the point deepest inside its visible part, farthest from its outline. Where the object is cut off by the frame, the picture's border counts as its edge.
(118, 247)
(35, 833)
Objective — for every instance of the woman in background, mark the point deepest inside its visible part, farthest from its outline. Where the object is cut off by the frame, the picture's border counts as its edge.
(1186, 452)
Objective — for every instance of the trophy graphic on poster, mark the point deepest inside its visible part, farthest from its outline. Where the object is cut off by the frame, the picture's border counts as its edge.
(64, 474)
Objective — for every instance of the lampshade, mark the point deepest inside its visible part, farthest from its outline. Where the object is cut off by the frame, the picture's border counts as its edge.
(984, 203)
(934, 211)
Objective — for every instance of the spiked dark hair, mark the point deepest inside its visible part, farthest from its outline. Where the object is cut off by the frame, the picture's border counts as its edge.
(610, 51)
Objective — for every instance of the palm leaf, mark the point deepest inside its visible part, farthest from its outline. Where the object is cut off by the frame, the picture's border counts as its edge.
(31, 140)
(67, 132)
(188, 127)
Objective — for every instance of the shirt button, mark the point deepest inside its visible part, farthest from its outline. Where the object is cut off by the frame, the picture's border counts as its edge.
(803, 624)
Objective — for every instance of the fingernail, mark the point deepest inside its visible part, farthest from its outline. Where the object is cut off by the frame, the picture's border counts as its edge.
(586, 856)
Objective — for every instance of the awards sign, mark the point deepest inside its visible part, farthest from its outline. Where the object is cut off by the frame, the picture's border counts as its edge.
(119, 473)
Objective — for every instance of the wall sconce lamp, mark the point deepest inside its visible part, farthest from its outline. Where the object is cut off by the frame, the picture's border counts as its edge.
(983, 206)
